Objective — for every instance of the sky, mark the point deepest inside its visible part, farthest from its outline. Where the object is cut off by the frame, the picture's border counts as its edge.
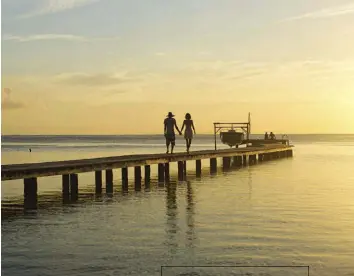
(119, 66)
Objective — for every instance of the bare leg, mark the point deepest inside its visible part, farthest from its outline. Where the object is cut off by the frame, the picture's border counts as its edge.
(187, 144)
(172, 146)
(167, 146)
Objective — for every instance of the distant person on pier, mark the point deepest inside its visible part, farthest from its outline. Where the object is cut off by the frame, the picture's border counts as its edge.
(188, 133)
(272, 136)
(266, 136)
(169, 130)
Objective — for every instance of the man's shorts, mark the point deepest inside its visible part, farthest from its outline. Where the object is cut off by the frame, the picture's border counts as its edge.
(170, 138)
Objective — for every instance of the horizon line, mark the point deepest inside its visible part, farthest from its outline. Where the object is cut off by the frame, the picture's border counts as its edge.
(158, 134)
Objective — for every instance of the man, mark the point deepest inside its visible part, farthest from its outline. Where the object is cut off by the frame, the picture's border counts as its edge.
(169, 130)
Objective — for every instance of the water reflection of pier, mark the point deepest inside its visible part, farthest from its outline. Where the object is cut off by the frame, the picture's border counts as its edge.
(172, 227)
(190, 212)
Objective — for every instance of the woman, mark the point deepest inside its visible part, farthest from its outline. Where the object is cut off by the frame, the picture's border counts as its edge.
(188, 134)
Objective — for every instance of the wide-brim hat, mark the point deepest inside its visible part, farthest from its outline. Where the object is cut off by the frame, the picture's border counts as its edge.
(170, 114)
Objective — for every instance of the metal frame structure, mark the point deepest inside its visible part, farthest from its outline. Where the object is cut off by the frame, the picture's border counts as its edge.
(245, 127)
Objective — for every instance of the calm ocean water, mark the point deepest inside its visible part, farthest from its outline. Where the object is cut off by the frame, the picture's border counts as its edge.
(288, 212)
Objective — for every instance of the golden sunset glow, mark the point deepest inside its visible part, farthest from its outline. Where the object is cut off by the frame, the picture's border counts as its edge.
(66, 69)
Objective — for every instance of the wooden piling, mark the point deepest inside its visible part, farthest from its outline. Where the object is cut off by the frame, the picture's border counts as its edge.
(147, 175)
(226, 162)
(109, 182)
(180, 170)
(244, 160)
(253, 159)
(30, 193)
(236, 161)
(213, 165)
(125, 179)
(250, 160)
(65, 185)
(74, 186)
(198, 168)
(161, 173)
(98, 182)
(137, 178)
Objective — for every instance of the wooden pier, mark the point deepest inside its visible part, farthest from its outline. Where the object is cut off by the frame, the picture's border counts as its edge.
(69, 169)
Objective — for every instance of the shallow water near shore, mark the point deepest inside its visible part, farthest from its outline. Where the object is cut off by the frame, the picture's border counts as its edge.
(294, 212)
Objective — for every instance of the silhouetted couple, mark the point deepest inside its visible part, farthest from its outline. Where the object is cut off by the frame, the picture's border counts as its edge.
(170, 125)
(271, 136)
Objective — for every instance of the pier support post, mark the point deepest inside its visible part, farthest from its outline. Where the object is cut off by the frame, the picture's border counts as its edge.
(180, 170)
(30, 193)
(98, 182)
(137, 177)
(260, 157)
(253, 159)
(65, 186)
(268, 156)
(244, 160)
(198, 168)
(226, 162)
(161, 173)
(125, 179)
(147, 173)
(109, 182)
(239, 161)
(290, 153)
(167, 172)
(213, 165)
(234, 161)
(74, 186)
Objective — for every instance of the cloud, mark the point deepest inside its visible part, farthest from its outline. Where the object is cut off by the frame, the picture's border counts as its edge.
(160, 54)
(100, 80)
(65, 37)
(55, 6)
(7, 102)
(226, 70)
(324, 13)
(248, 75)
(44, 37)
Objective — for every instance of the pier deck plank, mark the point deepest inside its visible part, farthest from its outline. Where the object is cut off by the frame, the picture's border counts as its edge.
(28, 170)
